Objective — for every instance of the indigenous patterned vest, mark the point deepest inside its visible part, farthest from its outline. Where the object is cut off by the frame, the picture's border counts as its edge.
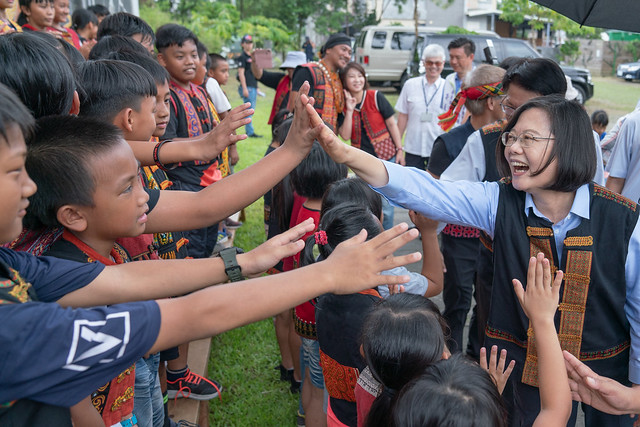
(374, 126)
(490, 139)
(591, 321)
(323, 94)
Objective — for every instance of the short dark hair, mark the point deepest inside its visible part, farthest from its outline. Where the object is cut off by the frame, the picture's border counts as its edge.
(83, 17)
(312, 176)
(99, 10)
(173, 34)
(340, 223)
(203, 51)
(353, 190)
(37, 72)
(115, 43)
(573, 146)
(125, 24)
(112, 86)
(157, 71)
(14, 113)
(215, 59)
(58, 161)
(280, 125)
(353, 66)
(540, 75)
(401, 337)
(450, 392)
(600, 117)
(463, 42)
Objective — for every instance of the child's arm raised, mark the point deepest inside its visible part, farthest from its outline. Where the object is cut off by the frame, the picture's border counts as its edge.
(540, 303)
(220, 308)
(180, 210)
(113, 285)
(204, 147)
(432, 265)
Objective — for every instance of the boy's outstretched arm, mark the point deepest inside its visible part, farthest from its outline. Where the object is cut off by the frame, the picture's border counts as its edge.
(180, 210)
(540, 303)
(220, 308)
(366, 166)
(204, 147)
(165, 278)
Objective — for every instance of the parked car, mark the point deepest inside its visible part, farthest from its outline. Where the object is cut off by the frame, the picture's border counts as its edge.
(384, 51)
(502, 48)
(629, 71)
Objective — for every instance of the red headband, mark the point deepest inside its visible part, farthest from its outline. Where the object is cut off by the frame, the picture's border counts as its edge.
(448, 119)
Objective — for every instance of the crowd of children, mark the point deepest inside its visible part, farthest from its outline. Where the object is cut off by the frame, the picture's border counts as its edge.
(116, 174)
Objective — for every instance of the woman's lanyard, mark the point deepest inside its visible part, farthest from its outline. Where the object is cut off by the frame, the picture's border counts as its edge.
(424, 92)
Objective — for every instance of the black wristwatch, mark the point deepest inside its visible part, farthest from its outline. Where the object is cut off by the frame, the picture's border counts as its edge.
(231, 267)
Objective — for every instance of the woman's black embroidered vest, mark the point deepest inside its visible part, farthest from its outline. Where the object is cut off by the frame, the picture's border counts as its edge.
(591, 321)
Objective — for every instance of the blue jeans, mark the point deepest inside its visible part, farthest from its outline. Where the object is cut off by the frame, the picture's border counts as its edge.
(253, 95)
(147, 401)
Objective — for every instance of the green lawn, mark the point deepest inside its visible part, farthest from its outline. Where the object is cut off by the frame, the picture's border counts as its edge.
(243, 359)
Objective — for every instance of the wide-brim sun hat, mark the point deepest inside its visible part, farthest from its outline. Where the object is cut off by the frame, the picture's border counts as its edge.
(293, 59)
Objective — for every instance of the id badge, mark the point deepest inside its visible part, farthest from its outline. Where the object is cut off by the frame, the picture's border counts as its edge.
(426, 117)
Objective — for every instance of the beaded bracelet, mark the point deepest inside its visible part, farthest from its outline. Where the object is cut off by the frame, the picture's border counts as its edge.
(156, 156)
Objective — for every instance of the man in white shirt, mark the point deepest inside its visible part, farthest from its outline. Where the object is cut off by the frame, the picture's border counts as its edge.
(420, 103)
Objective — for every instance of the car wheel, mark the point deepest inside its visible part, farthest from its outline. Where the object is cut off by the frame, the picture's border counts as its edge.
(582, 96)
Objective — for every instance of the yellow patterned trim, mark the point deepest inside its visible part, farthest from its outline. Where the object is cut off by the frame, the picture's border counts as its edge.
(539, 232)
(578, 241)
(571, 307)
(120, 400)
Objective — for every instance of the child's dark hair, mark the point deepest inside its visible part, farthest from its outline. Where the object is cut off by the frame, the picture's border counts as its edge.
(338, 224)
(173, 34)
(22, 18)
(282, 193)
(600, 118)
(401, 337)
(125, 24)
(313, 175)
(99, 10)
(83, 17)
(108, 44)
(456, 392)
(203, 51)
(215, 59)
(279, 130)
(59, 162)
(157, 71)
(353, 190)
(37, 72)
(69, 51)
(14, 113)
(112, 86)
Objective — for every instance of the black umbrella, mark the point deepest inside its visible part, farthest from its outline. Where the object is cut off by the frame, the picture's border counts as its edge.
(613, 14)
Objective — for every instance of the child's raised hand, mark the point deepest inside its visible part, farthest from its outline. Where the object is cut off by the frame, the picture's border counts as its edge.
(224, 134)
(302, 132)
(423, 223)
(355, 264)
(540, 300)
(273, 250)
(495, 368)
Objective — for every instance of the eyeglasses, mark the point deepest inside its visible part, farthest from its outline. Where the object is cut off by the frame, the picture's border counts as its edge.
(526, 140)
(506, 108)
(432, 63)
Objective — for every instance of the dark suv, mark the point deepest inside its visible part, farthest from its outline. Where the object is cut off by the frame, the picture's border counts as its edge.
(503, 48)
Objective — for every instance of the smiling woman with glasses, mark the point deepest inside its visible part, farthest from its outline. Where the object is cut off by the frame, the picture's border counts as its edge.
(546, 204)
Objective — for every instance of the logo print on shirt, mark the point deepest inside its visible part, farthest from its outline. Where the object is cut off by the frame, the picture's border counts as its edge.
(91, 339)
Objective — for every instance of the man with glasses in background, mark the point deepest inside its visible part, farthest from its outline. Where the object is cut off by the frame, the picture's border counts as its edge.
(420, 103)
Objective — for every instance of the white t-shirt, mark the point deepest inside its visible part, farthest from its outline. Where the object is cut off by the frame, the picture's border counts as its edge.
(218, 97)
